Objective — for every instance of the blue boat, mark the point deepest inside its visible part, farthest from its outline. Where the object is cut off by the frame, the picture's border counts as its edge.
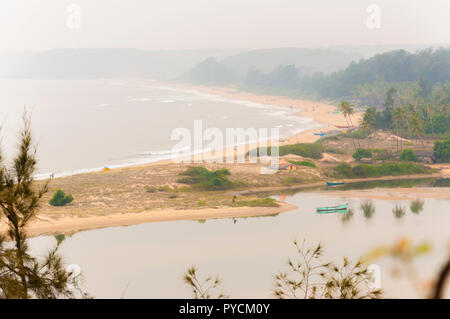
(335, 183)
(333, 209)
(320, 134)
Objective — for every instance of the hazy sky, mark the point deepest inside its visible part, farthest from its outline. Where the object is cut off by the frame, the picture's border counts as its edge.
(196, 24)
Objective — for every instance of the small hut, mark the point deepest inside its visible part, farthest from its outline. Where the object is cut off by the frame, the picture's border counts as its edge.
(289, 167)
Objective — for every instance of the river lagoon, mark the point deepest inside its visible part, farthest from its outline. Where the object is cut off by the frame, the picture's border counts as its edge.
(149, 260)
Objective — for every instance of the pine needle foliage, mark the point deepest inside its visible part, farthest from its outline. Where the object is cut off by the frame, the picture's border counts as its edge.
(23, 276)
(308, 277)
(210, 288)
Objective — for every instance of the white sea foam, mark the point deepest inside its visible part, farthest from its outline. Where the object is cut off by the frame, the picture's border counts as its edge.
(140, 99)
(101, 105)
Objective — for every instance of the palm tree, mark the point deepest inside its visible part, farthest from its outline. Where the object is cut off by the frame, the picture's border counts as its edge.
(429, 110)
(416, 124)
(369, 119)
(347, 109)
(396, 120)
(401, 120)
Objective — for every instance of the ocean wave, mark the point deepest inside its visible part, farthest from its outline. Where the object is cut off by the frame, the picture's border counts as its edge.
(140, 99)
(100, 105)
(160, 152)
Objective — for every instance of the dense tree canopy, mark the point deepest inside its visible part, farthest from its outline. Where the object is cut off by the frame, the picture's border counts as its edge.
(426, 67)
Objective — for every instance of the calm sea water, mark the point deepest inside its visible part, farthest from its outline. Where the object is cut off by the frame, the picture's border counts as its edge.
(81, 125)
(152, 258)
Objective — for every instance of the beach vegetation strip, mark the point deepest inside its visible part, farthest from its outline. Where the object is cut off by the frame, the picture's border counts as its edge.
(385, 169)
(311, 150)
(203, 179)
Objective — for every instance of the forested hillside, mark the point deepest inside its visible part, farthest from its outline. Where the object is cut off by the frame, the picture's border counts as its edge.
(391, 67)
(363, 82)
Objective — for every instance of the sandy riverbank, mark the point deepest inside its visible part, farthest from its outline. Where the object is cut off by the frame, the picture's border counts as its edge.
(68, 221)
(69, 225)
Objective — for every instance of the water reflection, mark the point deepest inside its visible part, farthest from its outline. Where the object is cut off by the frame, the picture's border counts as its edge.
(348, 216)
(247, 253)
(399, 211)
(416, 206)
(396, 183)
(368, 209)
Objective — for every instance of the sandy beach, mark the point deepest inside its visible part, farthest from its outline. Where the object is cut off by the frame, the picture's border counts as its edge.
(320, 112)
(69, 220)
(119, 198)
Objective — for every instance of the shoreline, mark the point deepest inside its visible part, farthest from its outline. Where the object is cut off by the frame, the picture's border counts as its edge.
(319, 112)
(102, 198)
(70, 225)
(381, 193)
(44, 225)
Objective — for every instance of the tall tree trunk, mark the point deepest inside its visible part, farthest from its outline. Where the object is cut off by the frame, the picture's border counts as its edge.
(351, 123)
(348, 124)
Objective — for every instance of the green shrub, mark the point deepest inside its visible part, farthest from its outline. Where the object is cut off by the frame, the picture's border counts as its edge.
(439, 124)
(311, 150)
(359, 134)
(382, 155)
(291, 180)
(333, 150)
(441, 150)
(201, 178)
(303, 163)
(201, 203)
(150, 189)
(60, 198)
(442, 182)
(361, 153)
(408, 155)
(359, 170)
(408, 143)
(385, 169)
(344, 169)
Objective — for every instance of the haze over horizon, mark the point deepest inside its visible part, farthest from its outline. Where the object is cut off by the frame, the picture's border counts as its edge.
(252, 24)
